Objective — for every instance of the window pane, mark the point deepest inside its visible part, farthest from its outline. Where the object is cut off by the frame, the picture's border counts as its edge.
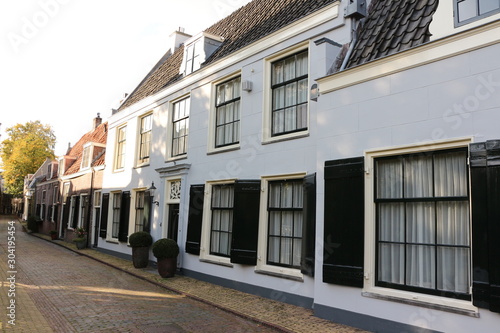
(453, 223)
(298, 224)
(418, 177)
(391, 222)
(302, 64)
(420, 267)
(277, 74)
(289, 70)
(286, 251)
(279, 98)
(450, 174)
(287, 224)
(467, 9)
(391, 263)
(454, 267)
(275, 223)
(389, 178)
(420, 223)
(486, 6)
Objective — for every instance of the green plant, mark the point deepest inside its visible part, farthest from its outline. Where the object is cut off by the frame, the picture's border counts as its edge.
(140, 239)
(32, 223)
(80, 233)
(53, 232)
(165, 248)
(78, 239)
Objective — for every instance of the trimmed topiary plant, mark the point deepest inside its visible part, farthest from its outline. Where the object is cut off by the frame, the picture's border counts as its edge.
(140, 242)
(166, 251)
(140, 239)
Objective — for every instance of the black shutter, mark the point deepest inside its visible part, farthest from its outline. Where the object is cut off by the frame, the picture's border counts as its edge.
(309, 226)
(56, 211)
(38, 210)
(485, 196)
(148, 201)
(76, 205)
(49, 213)
(245, 222)
(124, 217)
(104, 215)
(65, 219)
(344, 222)
(195, 218)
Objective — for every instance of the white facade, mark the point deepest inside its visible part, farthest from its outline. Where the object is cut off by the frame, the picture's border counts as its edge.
(443, 94)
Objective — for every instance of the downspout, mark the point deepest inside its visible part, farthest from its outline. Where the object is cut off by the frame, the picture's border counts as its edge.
(351, 46)
(89, 209)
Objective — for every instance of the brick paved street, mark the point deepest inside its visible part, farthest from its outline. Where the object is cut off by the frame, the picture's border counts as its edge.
(60, 291)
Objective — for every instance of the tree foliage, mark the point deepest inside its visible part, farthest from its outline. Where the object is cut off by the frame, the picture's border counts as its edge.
(23, 153)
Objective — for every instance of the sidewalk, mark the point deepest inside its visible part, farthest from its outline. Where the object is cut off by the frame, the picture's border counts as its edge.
(278, 315)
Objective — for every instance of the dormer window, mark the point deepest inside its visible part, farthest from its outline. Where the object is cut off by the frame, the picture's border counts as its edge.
(197, 50)
(467, 11)
(86, 157)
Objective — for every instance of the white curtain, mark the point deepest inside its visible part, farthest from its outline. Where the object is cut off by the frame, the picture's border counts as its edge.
(429, 238)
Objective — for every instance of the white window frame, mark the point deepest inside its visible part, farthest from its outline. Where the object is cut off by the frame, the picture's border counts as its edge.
(369, 288)
(206, 226)
(144, 161)
(170, 131)
(109, 232)
(267, 109)
(81, 213)
(123, 144)
(71, 212)
(133, 205)
(213, 116)
(262, 266)
(473, 18)
(87, 156)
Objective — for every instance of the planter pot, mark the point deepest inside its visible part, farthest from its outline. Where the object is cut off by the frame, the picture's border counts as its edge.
(53, 236)
(167, 267)
(140, 256)
(80, 245)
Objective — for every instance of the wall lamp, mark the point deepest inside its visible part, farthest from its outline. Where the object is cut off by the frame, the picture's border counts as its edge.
(152, 190)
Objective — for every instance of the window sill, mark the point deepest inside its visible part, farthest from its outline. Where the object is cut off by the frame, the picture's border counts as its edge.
(119, 170)
(219, 262)
(286, 137)
(138, 166)
(283, 274)
(177, 158)
(214, 151)
(429, 302)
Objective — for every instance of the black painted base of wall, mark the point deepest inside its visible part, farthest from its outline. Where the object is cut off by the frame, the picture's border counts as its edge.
(302, 301)
(365, 322)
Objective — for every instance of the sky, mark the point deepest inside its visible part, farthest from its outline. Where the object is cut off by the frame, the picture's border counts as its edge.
(64, 61)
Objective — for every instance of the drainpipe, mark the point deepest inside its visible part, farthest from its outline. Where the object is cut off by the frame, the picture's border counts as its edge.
(89, 208)
(351, 46)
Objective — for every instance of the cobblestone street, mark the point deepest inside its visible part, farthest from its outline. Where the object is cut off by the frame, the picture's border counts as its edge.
(57, 290)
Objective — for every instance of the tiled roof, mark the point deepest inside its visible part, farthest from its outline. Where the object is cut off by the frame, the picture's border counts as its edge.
(245, 26)
(392, 26)
(98, 135)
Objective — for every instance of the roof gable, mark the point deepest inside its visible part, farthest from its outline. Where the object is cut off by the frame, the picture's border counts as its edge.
(243, 27)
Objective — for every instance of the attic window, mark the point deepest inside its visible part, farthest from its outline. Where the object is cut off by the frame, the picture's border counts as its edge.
(197, 50)
(467, 11)
(86, 157)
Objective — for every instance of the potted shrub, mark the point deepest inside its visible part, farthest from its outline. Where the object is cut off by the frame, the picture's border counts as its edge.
(53, 234)
(166, 251)
(80, 239)
(140, 242)
(32, 224)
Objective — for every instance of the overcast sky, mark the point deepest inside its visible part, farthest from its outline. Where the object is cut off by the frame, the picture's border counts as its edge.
(64, 61)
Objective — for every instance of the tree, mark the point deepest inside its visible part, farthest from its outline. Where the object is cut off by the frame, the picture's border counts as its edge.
(23, 152)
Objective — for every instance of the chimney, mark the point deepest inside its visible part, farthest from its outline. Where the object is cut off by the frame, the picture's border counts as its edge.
(177, 38)
(97, 121)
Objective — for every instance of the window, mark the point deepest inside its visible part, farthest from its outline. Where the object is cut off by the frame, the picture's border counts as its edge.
(116, 215)
(285, 199)
(121, 137)
(227, 112)
(43, 210)
(145, 138)
(86, 157)
(142, 210)
(180, 127)
(193, 57)
(470, 10)
(222, 219)
(422, 214)
(84, 209)
(289, 86)
(73, 217)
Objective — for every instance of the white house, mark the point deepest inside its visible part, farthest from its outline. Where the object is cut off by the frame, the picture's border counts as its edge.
(312, 152)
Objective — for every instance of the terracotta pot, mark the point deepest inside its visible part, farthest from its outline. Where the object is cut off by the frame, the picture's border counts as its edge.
(53, 236)
(140, 256)
(167, 267)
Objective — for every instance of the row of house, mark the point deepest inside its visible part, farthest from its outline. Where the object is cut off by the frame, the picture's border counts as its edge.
(338, 155)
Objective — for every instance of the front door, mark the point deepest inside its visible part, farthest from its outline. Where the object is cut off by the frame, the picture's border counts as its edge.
(173, 221)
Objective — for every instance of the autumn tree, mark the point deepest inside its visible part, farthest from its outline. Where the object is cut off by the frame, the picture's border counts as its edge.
(23, 153)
